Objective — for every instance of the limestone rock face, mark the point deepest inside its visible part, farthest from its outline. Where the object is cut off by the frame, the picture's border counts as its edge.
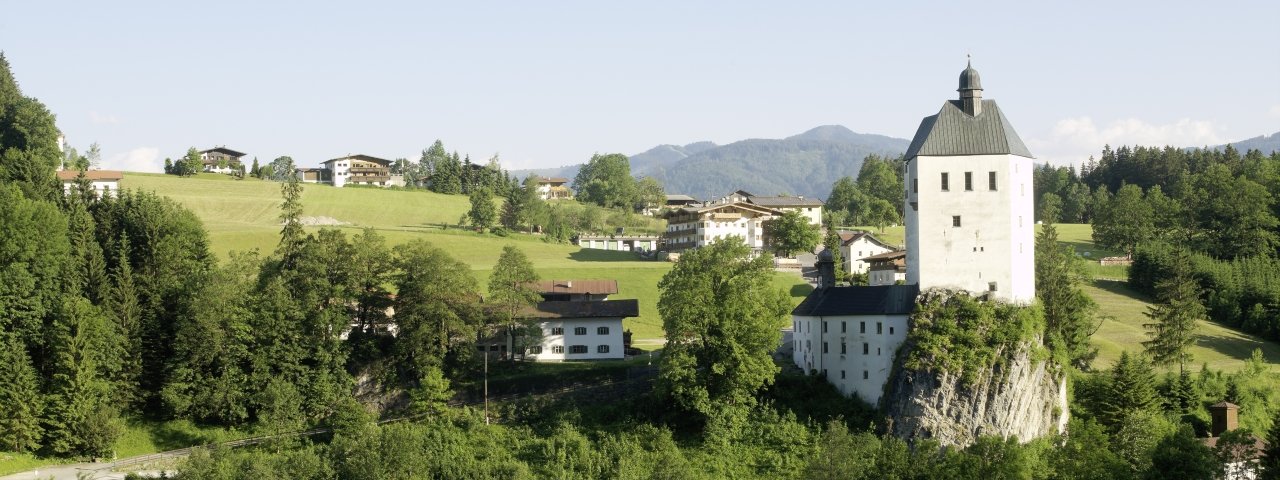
(1022, 397)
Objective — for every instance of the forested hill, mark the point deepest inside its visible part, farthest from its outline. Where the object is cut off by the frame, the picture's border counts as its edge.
(805, 164)
(1263, 143)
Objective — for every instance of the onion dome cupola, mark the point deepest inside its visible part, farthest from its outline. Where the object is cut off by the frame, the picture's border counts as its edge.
(970, 91)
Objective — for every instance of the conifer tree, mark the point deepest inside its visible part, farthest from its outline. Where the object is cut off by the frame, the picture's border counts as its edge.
(81, 419)
(1269, 464)
(20, 429)
(88, 277)
(831, 242)
(1130, 389)
(1069, 312)
(123, 306)
(1175, 318)
(291, 234)
(254, 171)
(482, 213)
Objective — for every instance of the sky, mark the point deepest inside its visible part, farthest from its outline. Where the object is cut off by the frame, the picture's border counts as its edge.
(544, 84)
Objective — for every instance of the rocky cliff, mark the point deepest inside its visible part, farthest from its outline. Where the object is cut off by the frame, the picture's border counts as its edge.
(1020, 396)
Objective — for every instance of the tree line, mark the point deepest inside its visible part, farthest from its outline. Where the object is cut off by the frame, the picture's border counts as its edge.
(874, 198)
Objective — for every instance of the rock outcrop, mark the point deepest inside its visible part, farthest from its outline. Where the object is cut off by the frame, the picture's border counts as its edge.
(1020, 396)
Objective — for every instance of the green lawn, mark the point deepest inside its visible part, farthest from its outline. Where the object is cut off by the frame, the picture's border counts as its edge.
(140, 438)
(243, 215)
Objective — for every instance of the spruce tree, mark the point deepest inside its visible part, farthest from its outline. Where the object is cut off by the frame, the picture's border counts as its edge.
(1069, 312)
(20, 429)
(1269, 464)
(254, 171)
(831, 242)
(291, 234)
(1175, 317)
(81, 420)
(1131, 388)
(123, 306)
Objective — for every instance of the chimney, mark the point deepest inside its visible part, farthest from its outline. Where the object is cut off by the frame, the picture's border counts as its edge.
(1224, 418)
(826, 269)
(568, 284)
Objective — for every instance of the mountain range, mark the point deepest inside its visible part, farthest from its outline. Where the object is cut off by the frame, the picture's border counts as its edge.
(1263, 143)
(805, 164)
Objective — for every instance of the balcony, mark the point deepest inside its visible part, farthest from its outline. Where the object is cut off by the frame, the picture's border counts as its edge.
(370, 171)
(368, 178)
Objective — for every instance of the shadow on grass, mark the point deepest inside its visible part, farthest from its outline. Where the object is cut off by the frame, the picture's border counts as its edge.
(1238, 346)
(1121, 288)
(801, 290)
(596, 255)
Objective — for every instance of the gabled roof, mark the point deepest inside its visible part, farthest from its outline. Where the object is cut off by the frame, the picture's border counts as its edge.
(855, 236)
(887, 256)
(604, 309)
(553, 180)
(952, 132)
(680, 198)
(601, 287)
(224, 150)
(860, 300)
(743, 205)
(361, 156)
(775, 202)
(71, 175)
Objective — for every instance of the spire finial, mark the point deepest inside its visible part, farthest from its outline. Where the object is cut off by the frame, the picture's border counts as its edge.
(968, 60)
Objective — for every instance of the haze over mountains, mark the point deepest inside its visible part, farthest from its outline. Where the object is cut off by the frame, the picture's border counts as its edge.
(805, 164)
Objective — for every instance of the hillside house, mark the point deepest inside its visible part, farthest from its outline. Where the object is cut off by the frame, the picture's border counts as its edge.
(693, 227)
(357, 169)
(578, 321)
(811, 208)
(680, 201)
(886, 268)
(856, 246)
(554, 188)
(619, 242)
(105, 183)
(1225, 419)
(221, 160)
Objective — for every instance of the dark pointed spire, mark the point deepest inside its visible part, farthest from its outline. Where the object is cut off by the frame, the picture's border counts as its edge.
(970, 90)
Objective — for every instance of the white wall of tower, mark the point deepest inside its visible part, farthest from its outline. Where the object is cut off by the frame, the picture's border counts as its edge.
(995, 241)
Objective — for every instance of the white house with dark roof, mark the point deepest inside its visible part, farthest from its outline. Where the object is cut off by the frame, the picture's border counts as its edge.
(969, 227)
(359, 169)
(811, 208)
(553, 188)
(578, 321)
(887, 268)
(694, 227)
(221, 160)
(855, 247)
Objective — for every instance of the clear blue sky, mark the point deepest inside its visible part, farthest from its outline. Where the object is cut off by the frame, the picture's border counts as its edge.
(550, 83)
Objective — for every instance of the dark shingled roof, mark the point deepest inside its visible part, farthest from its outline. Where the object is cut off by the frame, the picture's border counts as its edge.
(877, 300)
(602, 287)
(603, 309)
(952, 132)
(225, 150)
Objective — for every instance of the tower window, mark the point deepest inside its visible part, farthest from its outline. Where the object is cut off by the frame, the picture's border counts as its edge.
(879, 328)
(955, 220)
(866, 348)
(946, 185)
(915, 185)
(968, 181)
(865, 375)
(991, 181)
(844, 348)
(862, 327)
(991, 286)
(844, 326)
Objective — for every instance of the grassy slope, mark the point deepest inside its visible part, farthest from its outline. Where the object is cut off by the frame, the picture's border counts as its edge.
(242, 215)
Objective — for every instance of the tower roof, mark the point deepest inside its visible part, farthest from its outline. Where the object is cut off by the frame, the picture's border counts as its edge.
(952, 132)
(969, 79)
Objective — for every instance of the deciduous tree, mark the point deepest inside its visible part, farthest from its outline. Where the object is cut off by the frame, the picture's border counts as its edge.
(721, 314)
(482, 214)
(606, 181)
(791, 232)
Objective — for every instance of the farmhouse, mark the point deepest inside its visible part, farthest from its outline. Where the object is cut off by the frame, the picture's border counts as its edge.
(693, 227)
(968, 227)
(855, 247)
(887, 268)
(620, 242)
(553, 188)
(357, 169)
(577, 321)
(811, 208)
(105, 183)
(680, 201)
(221, 160)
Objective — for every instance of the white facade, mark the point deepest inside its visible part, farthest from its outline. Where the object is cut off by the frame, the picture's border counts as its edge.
(853, 352)
(359, 169)
(105, 183)
(976, 232)
(702, 226)
(101, 187)
(579, 339)
(885, 277)
(860, 247)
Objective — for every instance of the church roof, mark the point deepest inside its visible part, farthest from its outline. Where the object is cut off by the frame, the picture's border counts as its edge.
(860, 300)
(952, 132)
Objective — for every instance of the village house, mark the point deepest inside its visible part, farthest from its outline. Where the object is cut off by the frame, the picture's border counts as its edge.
(968, 227)
(357, 169)
(811, 208)
(105, 183)
(693, 227)
(553, 188)
(620, 242)
(887, 268)
(577, 322)
(1244, 460)
(221, 160)
(855, 247)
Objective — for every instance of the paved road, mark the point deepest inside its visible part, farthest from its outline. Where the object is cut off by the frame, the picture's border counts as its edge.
(91, 471)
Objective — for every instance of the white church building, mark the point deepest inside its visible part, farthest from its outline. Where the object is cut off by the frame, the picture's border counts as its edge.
(968, 227)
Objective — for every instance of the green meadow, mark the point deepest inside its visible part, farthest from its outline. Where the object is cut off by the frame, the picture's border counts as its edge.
(243, 215)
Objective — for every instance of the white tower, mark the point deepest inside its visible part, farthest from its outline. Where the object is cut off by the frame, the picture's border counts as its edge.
(969, 200)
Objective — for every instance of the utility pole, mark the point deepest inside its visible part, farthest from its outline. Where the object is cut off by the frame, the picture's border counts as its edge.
(486, 384)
